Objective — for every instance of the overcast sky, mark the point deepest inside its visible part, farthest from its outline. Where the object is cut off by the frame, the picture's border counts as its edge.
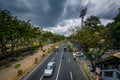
(60, 16)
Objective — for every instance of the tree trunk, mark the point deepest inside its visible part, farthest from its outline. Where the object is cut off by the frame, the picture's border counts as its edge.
(13, 42)
(5, 53)
(102, 53)
(86, 49)
(7, 61)
(13, 54)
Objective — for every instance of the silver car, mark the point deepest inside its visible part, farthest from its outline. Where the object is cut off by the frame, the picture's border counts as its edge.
(49, 70)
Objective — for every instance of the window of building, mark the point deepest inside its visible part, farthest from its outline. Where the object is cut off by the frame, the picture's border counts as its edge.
(118, 76)
(109, 74)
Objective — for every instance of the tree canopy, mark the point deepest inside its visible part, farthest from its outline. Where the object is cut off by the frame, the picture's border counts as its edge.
(16, 33)
(98, 37)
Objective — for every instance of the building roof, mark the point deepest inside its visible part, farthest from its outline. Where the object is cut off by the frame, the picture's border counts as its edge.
(115, 58)
(117, 55)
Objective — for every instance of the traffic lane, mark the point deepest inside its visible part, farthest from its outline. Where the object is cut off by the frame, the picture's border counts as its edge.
(38, 71)
(70, 69)
(76, 70)
(65, 72)
(57, 58)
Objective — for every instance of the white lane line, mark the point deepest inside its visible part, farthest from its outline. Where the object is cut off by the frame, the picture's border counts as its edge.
(83, 71)
(58, 69)
(71, 75)
(69, 60)
(52, 59)
(41, 77)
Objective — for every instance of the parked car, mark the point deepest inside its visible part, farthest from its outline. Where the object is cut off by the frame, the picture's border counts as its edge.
(81, 53)
(50, 69)
(78, 54)
(74, 54)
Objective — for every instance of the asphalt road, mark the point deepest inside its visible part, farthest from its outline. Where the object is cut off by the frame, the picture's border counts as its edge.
(66, 68)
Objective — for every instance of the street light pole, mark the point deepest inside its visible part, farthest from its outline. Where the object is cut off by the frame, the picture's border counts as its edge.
(82, 21)
(82, 14)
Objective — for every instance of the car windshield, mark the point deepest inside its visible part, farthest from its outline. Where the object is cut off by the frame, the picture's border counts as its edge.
(49, 67)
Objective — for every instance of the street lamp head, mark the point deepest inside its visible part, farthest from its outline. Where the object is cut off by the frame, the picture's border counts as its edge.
(83, 12)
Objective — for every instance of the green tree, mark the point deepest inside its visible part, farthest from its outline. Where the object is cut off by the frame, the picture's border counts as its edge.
(115, 31)
(93, 36)
(117, 18)
(115, 35)
(14, 33)
(92, 22)
(6, 33)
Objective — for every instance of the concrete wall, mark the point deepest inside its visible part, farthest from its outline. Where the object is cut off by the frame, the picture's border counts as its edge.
(111, 77)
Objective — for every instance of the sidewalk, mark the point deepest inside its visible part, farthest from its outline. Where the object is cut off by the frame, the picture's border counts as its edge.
(84, 65)
(10, 72)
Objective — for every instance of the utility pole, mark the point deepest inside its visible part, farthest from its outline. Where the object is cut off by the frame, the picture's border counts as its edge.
(82, 14)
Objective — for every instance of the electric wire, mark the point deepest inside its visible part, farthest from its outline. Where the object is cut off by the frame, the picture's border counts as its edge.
(101, 6)
(109, 9)
(110, 4)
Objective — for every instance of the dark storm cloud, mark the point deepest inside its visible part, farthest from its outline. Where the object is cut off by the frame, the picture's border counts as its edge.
(48, 13)
(51, 12)
(15, 6)
(41, 12)
(72, 9)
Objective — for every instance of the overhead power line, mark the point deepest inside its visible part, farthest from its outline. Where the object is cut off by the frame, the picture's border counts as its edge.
(101, 6)
(82, 2)
(105, 10)
(109, 8)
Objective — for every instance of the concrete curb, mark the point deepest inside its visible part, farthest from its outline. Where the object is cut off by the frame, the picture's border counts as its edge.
(83, 70)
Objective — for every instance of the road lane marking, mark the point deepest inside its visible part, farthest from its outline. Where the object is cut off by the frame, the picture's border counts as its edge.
(82, 71)
(71, 75)
(59, 69)
(52, 59)
(69, 60)
(41, 77)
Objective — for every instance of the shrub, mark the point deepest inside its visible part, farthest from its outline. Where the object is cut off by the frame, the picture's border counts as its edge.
(43, 55)
(19, 54)
(17, 65)
(43, 50)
